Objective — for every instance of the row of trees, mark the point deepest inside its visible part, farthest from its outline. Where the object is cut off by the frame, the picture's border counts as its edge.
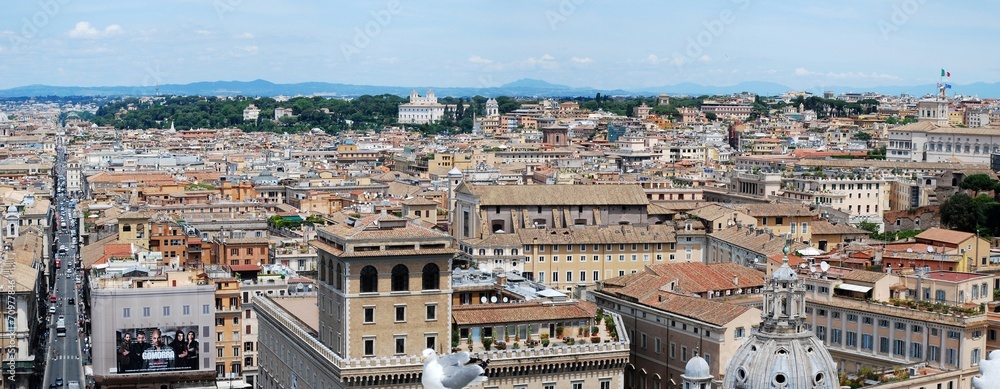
(835, 108)
(977, 213)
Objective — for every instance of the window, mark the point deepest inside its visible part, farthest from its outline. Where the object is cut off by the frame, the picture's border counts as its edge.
(656, 345)
(400, 313)
(166, 310)
(901, 326)
(430, 341)
(867, 320)
(883, 323)
(852, 317)
(866, 342)
(883, 345)
(569, 276)
(400, 278)
(400, 345)
(934, 353)
(185, 310)
(597, 275)
(146, 312)
(555, 276)
(369, 346)
(835, 314)
(369, 279)
(953, 335)
(950, 357)
(916, 350)
(126, 312)
(369, 315)
(899, 347)
(236, 351)
(835, 335)
(852, 339)
(976, 354)
(431, 312)
(739, 333)
(206, 309)
(821, 333)
(684, 353)
(916, 329)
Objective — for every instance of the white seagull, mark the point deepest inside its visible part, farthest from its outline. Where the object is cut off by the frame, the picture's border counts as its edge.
(452, 371)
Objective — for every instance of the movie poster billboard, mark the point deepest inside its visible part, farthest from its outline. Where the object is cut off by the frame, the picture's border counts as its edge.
(141, 350)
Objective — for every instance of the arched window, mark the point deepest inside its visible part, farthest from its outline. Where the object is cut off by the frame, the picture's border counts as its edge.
(400, 278)
(369, 279)
(431, 277)
(340, 277)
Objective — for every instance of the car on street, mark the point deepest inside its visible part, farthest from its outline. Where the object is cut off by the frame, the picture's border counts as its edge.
(52, 309)
(59, 381)
(71, 301)
(62, 317)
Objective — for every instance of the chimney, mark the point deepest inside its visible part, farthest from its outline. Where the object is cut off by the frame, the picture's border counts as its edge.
(736, 280)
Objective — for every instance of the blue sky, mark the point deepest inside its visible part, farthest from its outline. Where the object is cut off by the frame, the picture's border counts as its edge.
(603, 44)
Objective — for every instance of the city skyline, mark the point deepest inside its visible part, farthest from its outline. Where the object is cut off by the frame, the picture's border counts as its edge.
(580, 43)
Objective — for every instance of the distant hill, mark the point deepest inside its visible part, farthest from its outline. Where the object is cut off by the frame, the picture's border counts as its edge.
(524, 87)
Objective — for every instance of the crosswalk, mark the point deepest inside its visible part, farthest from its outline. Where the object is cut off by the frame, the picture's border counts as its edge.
(65, 357)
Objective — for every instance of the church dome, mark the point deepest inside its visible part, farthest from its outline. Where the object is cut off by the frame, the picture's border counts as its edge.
(697, 367)
(782, 353)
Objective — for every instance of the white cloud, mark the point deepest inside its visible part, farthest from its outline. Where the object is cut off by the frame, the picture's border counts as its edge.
(584, 60)
(704, 58)
(390, 59)
(846, 75)
(545, 62)
(245, 35)
(203, 32)
(247, 50)
(480, 60)
(653, 59)
(83, 30)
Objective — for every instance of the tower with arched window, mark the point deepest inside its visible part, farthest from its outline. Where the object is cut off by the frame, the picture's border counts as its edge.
(384, 288)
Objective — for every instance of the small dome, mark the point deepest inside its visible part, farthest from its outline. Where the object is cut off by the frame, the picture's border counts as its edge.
(784, 273)
(454, 172)
(697, 368)
(12, 209)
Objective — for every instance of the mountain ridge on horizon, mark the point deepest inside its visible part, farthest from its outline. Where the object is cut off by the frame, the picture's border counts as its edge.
(526, 87)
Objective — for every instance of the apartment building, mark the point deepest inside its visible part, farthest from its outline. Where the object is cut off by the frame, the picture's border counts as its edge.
(373, 316)
(131, 310)
(668, 326)
(862, 325)
(24, 292)
(228, 330)
(855, 194)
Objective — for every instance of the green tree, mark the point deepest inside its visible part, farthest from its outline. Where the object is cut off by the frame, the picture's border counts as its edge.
(978, 183)
(711, 116)
(959, 213)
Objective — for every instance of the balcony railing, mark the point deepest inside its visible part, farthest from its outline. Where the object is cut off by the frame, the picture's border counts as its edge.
(298, 330)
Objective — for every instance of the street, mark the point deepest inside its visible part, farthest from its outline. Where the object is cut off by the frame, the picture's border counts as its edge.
(65, 348)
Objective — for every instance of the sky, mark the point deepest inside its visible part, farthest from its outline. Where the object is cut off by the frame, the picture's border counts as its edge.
(449, 43)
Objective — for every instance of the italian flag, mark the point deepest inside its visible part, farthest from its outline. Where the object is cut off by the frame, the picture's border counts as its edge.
(945, 74)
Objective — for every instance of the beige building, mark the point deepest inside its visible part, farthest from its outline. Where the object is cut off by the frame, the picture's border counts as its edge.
(129, 309)
(669, 327)
(854, 314)
(385, 294)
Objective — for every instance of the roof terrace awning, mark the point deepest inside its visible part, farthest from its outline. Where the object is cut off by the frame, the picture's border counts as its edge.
(854, 288)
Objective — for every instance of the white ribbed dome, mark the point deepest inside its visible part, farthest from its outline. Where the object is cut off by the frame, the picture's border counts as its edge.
(696, 368)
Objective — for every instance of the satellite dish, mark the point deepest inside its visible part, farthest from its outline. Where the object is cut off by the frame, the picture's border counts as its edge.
(909, 250)
(482, 299)
(812, 269)
(824, 266)
(493, 299)
(505, 299)
(930, 249)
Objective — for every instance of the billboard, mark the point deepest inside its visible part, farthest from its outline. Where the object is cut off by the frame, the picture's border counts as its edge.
(141, 350)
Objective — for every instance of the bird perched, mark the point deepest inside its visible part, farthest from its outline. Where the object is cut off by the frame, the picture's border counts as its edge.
(452, 371)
